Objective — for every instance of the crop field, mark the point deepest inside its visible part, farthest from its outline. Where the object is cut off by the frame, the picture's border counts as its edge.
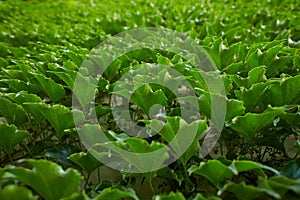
(149, 99)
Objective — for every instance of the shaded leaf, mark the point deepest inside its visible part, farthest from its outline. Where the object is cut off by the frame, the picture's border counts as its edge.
(13, 113)
(10, 136)
(86, 161)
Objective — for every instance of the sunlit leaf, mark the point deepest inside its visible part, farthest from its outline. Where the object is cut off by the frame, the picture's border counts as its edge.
(46, 177)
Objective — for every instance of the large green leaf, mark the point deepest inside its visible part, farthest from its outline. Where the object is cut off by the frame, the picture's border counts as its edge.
(255, 75)
(48, 179)
(16, 192)
(145, 98)
(179, 134)
(22, 97)
(16, 85)
(34, 111)
(13, 113)
(285, 92)
(254, 95)
(67, 76)
(234, 108)
(216, 172)
(54, 90)
(84, 89)
(194, 148)
(10, 136)
(59, 116)
(213, 170)
(138, 148)
(252, 123)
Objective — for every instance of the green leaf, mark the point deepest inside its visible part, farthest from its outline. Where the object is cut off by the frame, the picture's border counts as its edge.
(163, 60)
(16, 192)
(281, 184)
(112, 70)
(199, 196)
(22, 97)
(10, 136)
(252, 123)
(255, 75)
(227, 54)
(67, 76)
(145, 98)
(234, 108)
(244, 165)
(59, 116)
(216, 172)
(139, 147)
(177, 128)
(273, 189)
(18, 85)
(13, 113)
(213, 170)
(194, 147)
(270, 55)
(254, 95)
(171, 196)
(116, 194)
(48, 179)
(214, 52)
(285, 92)
(34, 111)
(84, 89)
(241, 189)
(252, 58)
(86, 161)
(54, 90)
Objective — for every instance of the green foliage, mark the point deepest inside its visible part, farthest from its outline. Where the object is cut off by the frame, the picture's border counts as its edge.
(43, 44)
(46, 177)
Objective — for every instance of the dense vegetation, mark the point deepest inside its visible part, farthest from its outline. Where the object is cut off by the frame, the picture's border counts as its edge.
(255, 45)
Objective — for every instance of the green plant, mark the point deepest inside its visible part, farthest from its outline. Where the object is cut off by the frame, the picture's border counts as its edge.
(255, 46)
